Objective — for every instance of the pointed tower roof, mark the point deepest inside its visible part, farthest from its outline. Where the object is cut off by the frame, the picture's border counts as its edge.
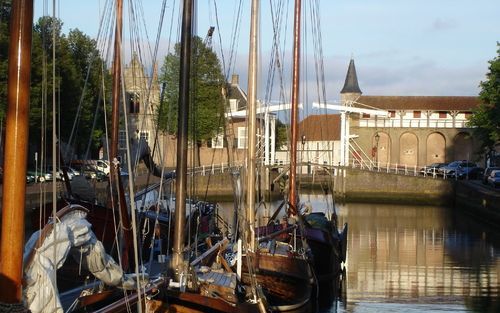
(351, 80)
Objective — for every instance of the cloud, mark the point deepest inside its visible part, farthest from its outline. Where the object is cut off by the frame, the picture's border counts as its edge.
(440, 24)
(421, 78)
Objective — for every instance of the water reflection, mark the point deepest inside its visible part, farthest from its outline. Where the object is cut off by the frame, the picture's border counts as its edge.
(412, 255)
(404, 258)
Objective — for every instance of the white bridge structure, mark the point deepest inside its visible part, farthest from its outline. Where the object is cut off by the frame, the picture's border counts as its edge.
(269, 138)
(345, 136)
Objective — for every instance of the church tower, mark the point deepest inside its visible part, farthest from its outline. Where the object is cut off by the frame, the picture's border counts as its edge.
(350, 92)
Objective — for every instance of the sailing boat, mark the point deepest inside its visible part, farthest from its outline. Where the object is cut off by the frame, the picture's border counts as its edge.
(316, 234)
(318, 231)
(282, 266)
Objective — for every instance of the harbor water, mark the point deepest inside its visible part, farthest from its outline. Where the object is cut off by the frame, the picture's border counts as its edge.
(404, 258)
(409, 258)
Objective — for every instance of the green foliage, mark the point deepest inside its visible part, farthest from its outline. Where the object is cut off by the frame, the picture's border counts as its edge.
(281, 134)
(78, 79)
(76, 59)
(4, 50)
(486, 118)
(207, 81)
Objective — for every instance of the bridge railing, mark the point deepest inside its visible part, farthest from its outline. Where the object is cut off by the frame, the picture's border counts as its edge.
(390, 168)
(212, 169)
(315, 167)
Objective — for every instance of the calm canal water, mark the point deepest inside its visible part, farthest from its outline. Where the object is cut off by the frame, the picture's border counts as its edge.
(404, 258)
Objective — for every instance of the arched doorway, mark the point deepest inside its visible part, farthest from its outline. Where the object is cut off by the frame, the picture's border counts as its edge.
(436, 148)
(408, 149)
(381, 152)
(462, 147)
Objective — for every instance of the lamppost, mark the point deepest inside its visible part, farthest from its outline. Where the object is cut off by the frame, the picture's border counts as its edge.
(377, 138)
(303, 138)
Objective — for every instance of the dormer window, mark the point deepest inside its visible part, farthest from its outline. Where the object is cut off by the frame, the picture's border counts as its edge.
(233, 105)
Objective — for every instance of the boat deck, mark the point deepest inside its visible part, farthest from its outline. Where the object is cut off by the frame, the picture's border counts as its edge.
(218, 284)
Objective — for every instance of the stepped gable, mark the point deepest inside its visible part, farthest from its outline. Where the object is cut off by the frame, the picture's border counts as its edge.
(420, 103)
(351, 80)
(324, 127)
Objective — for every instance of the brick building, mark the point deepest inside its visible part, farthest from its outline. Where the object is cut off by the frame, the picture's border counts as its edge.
(416, 131)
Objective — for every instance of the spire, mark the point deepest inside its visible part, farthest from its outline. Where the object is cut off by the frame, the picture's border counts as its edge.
(351, 80)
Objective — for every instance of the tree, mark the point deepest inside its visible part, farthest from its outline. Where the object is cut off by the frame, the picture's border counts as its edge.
(78, 64)
(78, 80)
(486, 117)
(207, 81)
(281, 131)
(5, 7)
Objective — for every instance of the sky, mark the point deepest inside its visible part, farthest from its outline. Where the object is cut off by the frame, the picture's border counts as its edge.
(400, 47)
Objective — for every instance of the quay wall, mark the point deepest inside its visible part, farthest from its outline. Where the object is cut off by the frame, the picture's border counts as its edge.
(354, 185)
(350, 185)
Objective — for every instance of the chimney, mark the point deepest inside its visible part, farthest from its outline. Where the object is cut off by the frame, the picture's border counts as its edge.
(235, 79)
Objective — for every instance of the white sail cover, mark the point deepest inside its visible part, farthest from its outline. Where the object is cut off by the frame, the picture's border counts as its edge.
(72, 234)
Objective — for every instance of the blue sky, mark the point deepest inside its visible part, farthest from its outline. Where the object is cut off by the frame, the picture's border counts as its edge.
(401, 47)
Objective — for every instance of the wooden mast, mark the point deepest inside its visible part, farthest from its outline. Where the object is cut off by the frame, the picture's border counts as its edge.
(182, 137)
(294, 110)
(16, 152)
(114, 177)
(252, 124)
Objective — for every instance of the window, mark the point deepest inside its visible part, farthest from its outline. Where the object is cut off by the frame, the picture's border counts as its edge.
(233, 105)
(218, 142)
(442, 114)
(242, 137)
(392, 113)
(144, 135)
(366, 115)
(122, 140)
(417, 114)
(134, 103)
(467, 115)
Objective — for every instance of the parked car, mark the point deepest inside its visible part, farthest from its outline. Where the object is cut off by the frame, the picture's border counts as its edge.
(471, 173)
(494, 178)
(99, 165)
(458, 169)
(487, 173)
(59, 173)
(432, 169)
(40, 176)
(30, 179)
(71, 170)
(91, 173)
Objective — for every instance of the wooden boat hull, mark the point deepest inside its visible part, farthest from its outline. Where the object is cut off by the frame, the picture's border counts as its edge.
(286, 281)
(328, 250)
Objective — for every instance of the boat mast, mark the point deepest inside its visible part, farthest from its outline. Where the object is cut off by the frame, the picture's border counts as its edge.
(114, 177)
(16, 152)
(294, 110)
(252, 123)
(182, 136)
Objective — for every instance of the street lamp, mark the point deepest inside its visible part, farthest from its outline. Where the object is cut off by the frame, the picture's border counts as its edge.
(303, 138)
(377, 138)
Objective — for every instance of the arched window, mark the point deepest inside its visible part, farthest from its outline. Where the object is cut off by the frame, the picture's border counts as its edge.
(134, 103)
